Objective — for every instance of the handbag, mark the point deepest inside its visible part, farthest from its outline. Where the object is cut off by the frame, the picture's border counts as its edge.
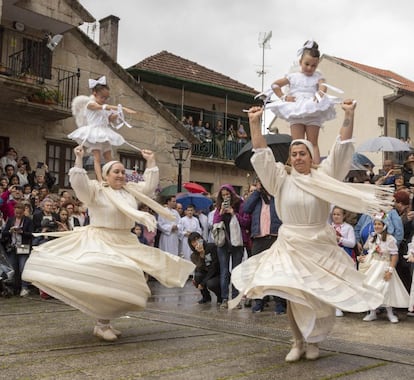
(219, 234)
(22, 249)
(236, 238)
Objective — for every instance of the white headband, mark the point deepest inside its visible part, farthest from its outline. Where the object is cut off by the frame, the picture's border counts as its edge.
(305, 142)
(93, 83)
(106, 168)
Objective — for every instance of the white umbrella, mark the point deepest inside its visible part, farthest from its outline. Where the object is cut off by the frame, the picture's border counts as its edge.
(383, 144)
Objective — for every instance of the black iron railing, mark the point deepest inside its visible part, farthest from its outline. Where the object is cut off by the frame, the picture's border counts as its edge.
(33, 65)
(226, 150)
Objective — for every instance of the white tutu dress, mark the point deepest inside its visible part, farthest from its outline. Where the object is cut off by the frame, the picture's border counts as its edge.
(94, 129)
(305, 265)
(99, 269)
(306, 107)
(376, 263)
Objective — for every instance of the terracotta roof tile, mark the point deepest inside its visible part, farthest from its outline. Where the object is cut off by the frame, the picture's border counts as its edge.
(172, 65)
(386, 75)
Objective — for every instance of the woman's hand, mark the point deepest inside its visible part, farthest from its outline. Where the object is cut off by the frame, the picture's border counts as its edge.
(149, 157)
(79, 152)
(348, 104)
(387, 276)
(255, 114)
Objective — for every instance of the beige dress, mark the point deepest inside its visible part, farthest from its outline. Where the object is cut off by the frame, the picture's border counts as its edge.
(305, 265)
(99, 269)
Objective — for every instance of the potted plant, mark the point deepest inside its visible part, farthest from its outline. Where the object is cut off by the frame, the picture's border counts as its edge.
(4, 70)
(28, 77)
(45, 96)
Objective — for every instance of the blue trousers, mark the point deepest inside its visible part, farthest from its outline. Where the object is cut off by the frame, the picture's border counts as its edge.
(224, 254)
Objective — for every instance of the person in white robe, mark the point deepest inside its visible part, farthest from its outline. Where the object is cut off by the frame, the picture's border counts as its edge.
(188, 223)
(169, 239)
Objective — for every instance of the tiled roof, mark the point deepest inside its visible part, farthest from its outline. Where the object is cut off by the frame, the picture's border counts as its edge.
(386, 75)
(174, 66)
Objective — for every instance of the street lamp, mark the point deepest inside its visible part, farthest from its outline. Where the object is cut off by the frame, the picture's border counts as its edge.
(181, 150)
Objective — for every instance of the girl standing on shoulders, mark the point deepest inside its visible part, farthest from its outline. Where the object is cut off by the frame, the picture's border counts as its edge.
(306, 105)
(94, 118)
(379, 267)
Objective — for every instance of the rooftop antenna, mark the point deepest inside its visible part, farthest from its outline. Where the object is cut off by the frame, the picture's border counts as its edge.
(90, 30)
(264, 43)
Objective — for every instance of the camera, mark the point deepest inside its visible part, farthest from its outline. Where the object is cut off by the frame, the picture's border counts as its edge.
(51, 225)
(226, 203)
(40, 165)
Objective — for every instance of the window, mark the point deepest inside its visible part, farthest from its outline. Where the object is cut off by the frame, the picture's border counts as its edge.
(402, 130)
(132, 162)
(37, 58)
(60, 158)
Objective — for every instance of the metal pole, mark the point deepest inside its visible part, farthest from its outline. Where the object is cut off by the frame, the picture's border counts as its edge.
(263, 72)
(180, 169)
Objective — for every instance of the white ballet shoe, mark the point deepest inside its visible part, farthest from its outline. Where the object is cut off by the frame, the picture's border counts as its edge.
(372, 316)
(296, 352)
(105, 333)
(312, 351)
(339, 313)
(393, 318)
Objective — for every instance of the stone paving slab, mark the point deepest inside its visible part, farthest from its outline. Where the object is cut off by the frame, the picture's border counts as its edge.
(175, 338)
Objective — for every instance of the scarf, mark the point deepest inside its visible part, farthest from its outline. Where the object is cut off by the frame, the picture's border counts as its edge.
(142, 217)
(356, 197)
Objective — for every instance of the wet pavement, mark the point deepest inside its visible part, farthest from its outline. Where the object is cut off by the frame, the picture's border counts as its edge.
(176, 338)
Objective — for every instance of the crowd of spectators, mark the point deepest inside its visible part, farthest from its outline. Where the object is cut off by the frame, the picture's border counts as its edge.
(222, 142)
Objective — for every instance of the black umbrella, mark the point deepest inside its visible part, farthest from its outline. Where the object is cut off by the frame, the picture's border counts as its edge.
(279, 143)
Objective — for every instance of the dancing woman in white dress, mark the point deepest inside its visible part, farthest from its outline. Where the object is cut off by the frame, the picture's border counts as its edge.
(305, 265)
(99, 269)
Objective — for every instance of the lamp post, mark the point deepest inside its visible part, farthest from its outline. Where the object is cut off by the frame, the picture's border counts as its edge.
(181, 150)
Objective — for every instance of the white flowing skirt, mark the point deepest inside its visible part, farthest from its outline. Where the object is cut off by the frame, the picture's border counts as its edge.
(94, 136)
(305, 108)
(100, 271)
(394, 292)
(307, 267)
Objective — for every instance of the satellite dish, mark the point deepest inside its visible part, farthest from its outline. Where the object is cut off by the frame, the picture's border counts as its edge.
(54, 41)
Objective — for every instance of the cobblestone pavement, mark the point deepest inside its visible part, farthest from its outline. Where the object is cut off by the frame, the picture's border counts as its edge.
(176, 338)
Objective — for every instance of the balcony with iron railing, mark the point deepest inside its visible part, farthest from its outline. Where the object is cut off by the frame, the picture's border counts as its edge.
(29, 83)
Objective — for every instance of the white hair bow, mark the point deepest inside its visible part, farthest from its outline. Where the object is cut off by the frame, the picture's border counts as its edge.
(308, 45)
(93, 82)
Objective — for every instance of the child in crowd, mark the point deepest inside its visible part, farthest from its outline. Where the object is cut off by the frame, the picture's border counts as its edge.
(94, 118)
(379, 267)
(139, 231)
(345, 237)
(306, 105)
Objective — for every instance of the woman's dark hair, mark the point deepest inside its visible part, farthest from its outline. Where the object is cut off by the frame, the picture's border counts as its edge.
(26, 161)
(194, 236)
(234, 199)
(383, 234)
(12, 177)
(313, 51)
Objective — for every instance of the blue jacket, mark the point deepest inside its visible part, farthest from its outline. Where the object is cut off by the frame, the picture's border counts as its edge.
(253, 205)
(395, 226)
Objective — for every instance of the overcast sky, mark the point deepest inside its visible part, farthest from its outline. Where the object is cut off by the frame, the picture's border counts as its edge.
(223, 35)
